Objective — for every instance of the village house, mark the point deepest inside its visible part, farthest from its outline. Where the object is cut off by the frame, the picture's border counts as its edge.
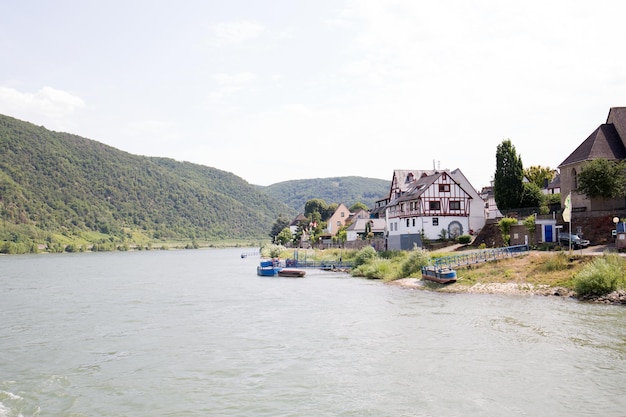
(337, 220)
(491, 209)
(427, 204)
(608, 141)
(297, 222)
(554, 186)
(359, 229)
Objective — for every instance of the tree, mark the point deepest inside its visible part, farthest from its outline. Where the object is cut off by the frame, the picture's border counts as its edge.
(330, 210)
(368, 230)
(538, 175)
(602, 178)
(284, 236)
(505, 228)
(532, 195)
(280, 223)
(508, 184)
(342, 235)
(531, 226)
(315, 205)
(358, 206)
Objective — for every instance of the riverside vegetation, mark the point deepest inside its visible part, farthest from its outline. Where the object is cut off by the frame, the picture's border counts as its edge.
(585, 276)
(61, 192)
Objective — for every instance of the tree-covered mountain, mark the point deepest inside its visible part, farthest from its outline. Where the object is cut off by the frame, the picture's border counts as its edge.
(346, 190)
(59, 184)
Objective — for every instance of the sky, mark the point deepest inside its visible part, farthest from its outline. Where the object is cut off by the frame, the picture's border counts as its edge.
(280, 90)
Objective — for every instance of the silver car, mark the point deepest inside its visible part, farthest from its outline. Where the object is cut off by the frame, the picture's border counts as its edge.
(577, 241)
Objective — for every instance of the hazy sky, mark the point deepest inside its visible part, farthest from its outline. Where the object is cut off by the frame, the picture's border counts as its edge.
(278, 90)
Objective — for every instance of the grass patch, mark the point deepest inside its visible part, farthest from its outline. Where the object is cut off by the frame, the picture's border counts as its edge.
(555, 269)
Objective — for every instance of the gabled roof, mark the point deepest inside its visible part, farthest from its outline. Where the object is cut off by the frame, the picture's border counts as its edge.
(378, 225)
(299, 218)
(403, 178)
(422, 184)
(604, 142)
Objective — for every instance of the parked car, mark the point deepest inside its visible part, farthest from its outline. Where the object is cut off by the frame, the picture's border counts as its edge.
(577, 241)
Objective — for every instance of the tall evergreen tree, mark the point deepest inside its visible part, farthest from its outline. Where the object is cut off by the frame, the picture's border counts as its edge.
(508, 187)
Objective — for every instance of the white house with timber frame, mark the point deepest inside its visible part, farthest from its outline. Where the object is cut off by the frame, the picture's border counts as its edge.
(424, 205)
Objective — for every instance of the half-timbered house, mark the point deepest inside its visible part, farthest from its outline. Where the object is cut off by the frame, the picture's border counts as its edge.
(428, 206)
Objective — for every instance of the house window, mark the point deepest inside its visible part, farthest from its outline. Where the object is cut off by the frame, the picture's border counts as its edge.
(338, 223)
(407, 222)
(574, 180)
(413, 222)
(444, 188)
(343, 214)
(435, 221)
(434, 205)
(455, 205)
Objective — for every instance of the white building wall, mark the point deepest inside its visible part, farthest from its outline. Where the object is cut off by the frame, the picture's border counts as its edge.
(477, 218)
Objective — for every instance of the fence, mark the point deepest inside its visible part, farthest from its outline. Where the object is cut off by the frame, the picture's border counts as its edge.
(485, 255)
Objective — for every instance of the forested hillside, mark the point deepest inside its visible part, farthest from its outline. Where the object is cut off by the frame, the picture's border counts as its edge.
(346, 190)
(61, 185)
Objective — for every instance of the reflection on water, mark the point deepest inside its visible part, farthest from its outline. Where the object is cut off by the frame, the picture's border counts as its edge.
(197, 333)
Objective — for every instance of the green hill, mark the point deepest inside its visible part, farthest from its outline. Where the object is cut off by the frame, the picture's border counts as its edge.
(58, 187)
(346, 190)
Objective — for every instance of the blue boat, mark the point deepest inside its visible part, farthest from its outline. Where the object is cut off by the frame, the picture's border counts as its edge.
(439, 275)
(268, 268)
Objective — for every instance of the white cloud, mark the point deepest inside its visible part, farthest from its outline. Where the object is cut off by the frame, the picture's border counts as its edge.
(225, 34)
(48, 106)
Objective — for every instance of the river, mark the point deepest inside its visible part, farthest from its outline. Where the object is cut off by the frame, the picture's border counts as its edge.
(197, 333)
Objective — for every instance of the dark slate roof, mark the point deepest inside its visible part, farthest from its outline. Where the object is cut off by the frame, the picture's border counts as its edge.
(604, 142)
(556, 182)
(299, 218)
(617, 117)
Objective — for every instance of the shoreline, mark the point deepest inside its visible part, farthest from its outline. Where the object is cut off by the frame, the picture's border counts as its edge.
(508, 288)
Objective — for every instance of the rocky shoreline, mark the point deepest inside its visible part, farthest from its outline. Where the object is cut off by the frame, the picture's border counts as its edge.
(509, 288)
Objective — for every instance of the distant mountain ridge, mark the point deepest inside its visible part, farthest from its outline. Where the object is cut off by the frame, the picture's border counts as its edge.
(58, 186)
(346, 190)
(53, 182)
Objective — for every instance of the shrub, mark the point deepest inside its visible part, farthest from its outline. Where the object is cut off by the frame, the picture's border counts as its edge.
(374, 269)
(602, 276)
(416, 260)
(365, 255)
(392, 254)
(271, 250)
(465, 239)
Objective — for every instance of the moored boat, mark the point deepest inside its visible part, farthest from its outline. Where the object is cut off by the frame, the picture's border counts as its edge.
(291, 273)
(439, 275)
(268, 268)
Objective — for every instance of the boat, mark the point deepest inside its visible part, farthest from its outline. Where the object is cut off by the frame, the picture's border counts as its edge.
(439, 275)
(291, 273)
(268, 268)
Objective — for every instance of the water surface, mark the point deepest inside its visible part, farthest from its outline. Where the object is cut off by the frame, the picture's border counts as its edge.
(197, 333)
